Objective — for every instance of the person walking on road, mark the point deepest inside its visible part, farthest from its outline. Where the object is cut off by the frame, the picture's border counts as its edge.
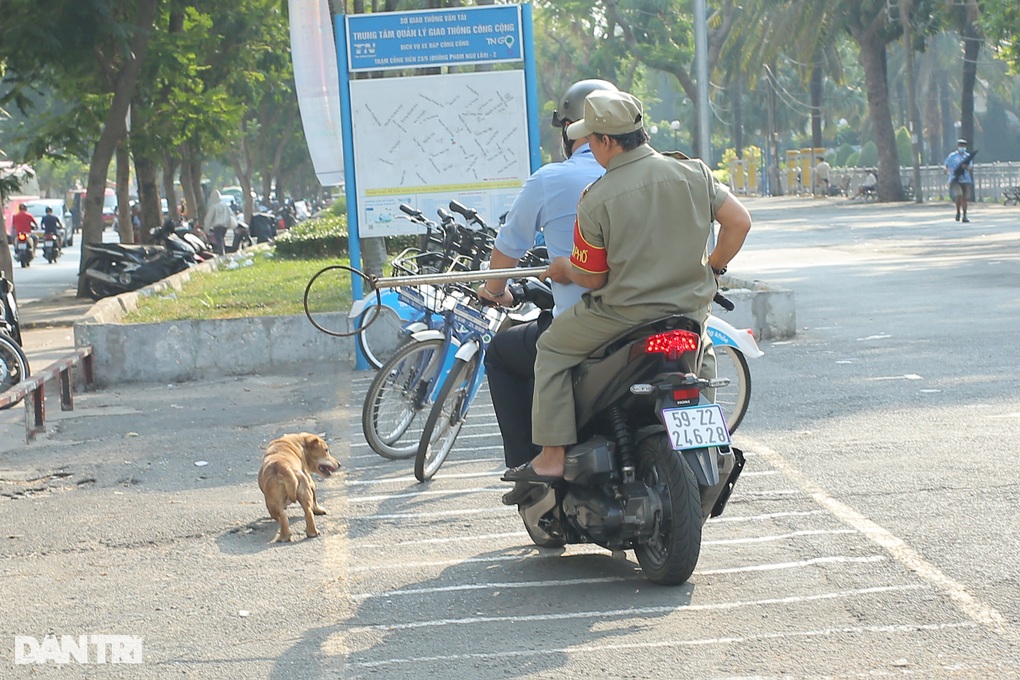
(640, 247)
(546, 206)
(218, 219)
(961, 184)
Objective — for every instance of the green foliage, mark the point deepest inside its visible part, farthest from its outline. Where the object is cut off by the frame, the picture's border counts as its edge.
(339, 207)
(322, 237)
(843, 154)
(904, 148)
(269, 286)
(853, 160)
(1001, 22)
(869, 155)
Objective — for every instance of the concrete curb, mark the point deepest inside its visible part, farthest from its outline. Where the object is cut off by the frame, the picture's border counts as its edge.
(767, 310)
(177, 351)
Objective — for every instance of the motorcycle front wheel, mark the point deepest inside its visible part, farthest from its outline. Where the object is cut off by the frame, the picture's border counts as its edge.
(13, 366)
(445, 420)
(671, 554)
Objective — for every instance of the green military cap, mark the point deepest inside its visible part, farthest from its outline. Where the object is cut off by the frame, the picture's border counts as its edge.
(608, 113)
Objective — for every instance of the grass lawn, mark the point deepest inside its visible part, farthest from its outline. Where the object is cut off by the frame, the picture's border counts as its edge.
(266, 287)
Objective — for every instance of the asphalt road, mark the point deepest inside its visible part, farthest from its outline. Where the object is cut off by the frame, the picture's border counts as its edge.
(872, 534)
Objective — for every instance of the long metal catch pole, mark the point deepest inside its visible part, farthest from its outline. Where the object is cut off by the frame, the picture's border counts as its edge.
(454, 277)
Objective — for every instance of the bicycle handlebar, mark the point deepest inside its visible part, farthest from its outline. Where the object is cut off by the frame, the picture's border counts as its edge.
(375, 282)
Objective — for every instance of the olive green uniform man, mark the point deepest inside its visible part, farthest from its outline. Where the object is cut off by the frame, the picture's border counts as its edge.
(641, 246)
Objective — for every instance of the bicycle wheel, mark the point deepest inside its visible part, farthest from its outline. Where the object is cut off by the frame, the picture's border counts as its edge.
(731, 363)
(445, 420)
(13, 366)
(326, 299)
(380, 335)
(390, 416)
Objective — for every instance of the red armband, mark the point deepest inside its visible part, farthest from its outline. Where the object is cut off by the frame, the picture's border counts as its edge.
(586, 257)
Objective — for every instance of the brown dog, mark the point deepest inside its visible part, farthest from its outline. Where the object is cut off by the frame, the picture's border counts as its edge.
(286, 478)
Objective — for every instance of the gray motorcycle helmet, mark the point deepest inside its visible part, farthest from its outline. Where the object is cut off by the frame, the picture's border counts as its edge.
(571, 104)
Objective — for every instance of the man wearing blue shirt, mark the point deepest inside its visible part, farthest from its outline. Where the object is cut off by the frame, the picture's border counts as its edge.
(960, 187)
(547, 204)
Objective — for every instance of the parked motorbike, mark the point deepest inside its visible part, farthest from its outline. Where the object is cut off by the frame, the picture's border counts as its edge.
(653, 459)
(24, 249)
(14, 366)
(115, 268)
(51, 247)
(182, 242)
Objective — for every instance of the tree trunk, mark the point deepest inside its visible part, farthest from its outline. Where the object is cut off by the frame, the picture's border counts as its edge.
(188, 187)
(244, 179)
(872, 59)
(736, 101)
(148, 196)
(195, 165)
(971, 49)
(113, 130)
(169, 168)
(816, 104)
(949, 132)
(124, 228)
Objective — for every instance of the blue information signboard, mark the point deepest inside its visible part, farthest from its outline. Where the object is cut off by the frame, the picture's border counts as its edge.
(442, 37)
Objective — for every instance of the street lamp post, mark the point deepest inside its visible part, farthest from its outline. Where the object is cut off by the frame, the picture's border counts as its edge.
(675, 127)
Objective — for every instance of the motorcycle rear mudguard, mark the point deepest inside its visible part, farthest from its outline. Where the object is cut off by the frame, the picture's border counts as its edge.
(716, 470)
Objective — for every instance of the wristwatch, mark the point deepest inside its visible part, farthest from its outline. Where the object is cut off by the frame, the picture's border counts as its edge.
(718, 272)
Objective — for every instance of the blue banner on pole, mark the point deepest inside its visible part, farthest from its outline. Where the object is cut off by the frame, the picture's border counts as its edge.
(443, 37)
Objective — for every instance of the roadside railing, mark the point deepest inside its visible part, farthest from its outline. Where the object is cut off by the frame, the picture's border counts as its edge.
(992, 181)
(33, 389)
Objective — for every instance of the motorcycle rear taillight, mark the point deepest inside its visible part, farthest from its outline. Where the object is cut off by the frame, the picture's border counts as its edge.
(672, 343)
(22, 237)
(688, 395)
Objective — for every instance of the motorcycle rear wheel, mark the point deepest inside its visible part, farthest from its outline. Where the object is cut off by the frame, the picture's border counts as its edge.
(13, 366)
(398, 396)
(445, 420)
(671, 554)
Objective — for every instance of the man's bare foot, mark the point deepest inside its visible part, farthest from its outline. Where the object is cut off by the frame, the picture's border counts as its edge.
(550, 461)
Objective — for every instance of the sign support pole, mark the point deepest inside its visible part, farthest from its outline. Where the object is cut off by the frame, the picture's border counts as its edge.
(531, 85)
(350, 179)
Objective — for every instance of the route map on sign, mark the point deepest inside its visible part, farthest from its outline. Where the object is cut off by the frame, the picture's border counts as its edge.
(427, 139)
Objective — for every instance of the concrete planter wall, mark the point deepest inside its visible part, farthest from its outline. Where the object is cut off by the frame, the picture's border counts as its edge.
(767, 310)
(189, 350)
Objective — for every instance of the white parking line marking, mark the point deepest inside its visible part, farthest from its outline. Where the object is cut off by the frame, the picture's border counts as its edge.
(973, 608)
(770, 515)
(837, 559)
(638, 612)
(603, 647)
(412, 479)
(493, 586)
(426, 516)
(779, 537)
(520, 534)
(417, 494)
(434, 541)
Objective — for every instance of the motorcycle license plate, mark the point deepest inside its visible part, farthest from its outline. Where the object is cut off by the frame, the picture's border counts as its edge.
(696, 427)
(22, 245)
